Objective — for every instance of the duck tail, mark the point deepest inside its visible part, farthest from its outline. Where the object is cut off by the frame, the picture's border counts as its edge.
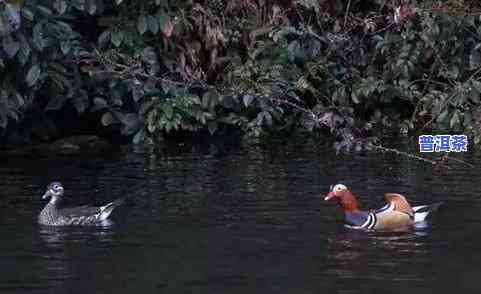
(107, 209)
(421, 212)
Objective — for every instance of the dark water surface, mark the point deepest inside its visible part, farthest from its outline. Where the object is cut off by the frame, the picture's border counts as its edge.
(246, 221)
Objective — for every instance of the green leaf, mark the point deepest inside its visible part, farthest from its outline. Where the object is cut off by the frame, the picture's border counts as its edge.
(3, 117)
(32, 75)
(442, 116)
(212, 126)
(129, 37)
(100, 102)
(166, 24)
(104, 38)
(162, 19)
(475, 57)
(60, 6)
(38, 36)
(247, 99)
(142, 24)
(468, 119)
(117, 2)
(27, 13)
(56, 102)
(13, 113)
(377, 115)
(477, 85)
(10, 46)
(130, 124)
(153, 24)
(65, 47)
(149, 56)
(3, 28)
(44, 10)
(117, 38)
(91, 6)
(152, 121)
(267, 118)
(168, 110)
(108, 119)
(19, 99)
(294, 51)
(81, 102)
(210, 99)
(228, 101)
(63, 29)
(354, 97)
(455, 120)
(139, 137)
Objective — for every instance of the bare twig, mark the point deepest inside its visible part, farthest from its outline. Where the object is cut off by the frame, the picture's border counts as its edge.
(460, 161)
(381, 30)
(347, 13)
(392, 150)
(294, 105)
(452, 11)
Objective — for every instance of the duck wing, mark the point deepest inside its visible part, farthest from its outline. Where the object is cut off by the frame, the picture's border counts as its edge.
(81, 215)
(397, 202)
(397, 213)
(87, 215)
(79, 211)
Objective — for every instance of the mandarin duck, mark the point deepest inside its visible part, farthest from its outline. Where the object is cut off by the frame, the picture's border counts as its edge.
(52, 215)
(396, 214)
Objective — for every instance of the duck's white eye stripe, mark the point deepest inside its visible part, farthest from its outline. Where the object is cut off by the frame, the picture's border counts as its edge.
(339, 187)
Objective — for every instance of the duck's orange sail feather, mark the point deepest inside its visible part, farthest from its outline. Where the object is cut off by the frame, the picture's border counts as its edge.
(400, 203)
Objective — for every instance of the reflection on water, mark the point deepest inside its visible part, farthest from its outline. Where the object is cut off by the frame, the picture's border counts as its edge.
(57, 237)
(367, 261)
(244, 221)
(61, 262)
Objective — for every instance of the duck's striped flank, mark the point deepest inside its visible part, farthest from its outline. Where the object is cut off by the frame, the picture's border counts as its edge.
(371, 221)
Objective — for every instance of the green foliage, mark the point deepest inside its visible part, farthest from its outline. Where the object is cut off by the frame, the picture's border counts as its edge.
(41, 47)
(154, 67)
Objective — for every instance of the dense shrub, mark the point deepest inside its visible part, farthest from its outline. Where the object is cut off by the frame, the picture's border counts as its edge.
(359, 70)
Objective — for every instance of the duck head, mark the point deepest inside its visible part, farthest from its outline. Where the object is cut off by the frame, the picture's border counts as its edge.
(54, 192)
(343, 196)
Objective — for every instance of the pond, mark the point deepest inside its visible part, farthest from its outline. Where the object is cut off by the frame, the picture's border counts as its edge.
(246, 220)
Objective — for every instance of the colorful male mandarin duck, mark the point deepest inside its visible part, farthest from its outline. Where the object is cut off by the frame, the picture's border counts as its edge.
(396, 214)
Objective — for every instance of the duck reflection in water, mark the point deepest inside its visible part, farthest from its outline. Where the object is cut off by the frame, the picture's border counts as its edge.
(355, 257)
